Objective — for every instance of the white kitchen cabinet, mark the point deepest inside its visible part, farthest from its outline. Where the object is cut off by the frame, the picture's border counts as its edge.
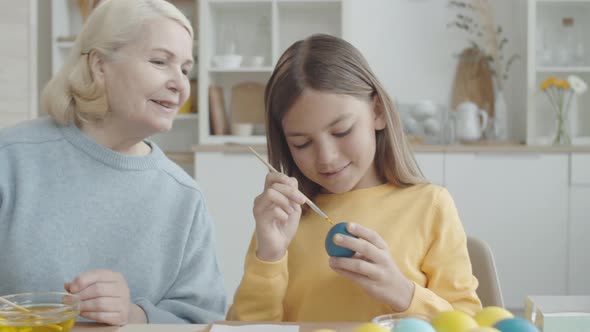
(18, 55)
(579, 226)
(230, 182)
(579, 244)
(517, 203)
(580, 169)
(251, 31)
(557, 45)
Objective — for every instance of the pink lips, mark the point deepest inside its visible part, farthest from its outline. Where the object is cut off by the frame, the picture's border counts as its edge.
(166, 106)
(334, 172)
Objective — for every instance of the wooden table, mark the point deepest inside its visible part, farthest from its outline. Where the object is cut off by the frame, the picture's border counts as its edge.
(90, 327)
(303, 327)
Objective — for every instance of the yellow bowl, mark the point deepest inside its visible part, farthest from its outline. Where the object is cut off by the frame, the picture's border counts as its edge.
(48, 312)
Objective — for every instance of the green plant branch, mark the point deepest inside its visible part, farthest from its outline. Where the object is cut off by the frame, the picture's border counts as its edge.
(489, 34)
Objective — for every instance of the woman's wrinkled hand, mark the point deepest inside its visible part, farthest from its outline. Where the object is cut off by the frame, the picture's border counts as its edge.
(105, 298)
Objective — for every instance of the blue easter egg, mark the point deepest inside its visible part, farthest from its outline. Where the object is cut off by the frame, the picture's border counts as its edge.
(413, 325)
(331, 247)
(515, 325)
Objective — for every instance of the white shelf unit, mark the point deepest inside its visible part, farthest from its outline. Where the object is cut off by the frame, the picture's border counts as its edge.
(551, 52)
(253, 28)
(67, 23)
(18, 54)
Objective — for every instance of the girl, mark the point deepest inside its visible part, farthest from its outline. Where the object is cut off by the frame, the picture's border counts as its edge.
(333, 129)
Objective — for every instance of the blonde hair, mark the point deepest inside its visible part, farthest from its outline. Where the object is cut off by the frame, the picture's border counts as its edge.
(329, 64)
(72, 95)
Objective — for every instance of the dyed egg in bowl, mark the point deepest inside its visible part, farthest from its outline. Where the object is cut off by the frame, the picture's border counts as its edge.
(39, 312)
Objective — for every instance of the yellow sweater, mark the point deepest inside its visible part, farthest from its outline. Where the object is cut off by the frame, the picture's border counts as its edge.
(426, 238)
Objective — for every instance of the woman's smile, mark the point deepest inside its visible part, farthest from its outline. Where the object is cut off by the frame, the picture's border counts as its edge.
(165, 106)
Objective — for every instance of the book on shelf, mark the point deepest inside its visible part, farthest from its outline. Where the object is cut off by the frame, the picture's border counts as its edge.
(218, 121)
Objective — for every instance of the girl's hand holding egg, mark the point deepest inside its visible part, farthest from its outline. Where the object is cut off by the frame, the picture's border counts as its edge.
(277, 212)
(332, 248)
(372, 267)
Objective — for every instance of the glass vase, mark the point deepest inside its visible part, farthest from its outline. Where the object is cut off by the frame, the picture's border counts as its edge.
(562, 134)
(500, 122)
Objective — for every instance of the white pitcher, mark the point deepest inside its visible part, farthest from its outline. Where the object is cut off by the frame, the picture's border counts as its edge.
(470, 122)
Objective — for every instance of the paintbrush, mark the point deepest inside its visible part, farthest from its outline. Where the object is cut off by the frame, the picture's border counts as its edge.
(307, 200)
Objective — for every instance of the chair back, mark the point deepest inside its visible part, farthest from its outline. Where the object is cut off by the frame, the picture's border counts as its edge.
(484, 269)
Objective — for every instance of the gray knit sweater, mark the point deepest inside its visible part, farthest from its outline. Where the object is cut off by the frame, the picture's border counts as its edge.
(69, 205)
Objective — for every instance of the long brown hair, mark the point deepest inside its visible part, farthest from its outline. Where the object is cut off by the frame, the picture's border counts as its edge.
(329, 64)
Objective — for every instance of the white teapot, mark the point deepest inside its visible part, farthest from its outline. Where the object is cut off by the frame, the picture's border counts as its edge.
(470, 122)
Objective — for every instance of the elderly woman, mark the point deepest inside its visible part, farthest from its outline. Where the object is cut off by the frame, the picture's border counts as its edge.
(87, 203)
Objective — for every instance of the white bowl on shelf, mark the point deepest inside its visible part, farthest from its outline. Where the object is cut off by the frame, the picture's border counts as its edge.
(242, 129)
(256, 61)
(227, 61)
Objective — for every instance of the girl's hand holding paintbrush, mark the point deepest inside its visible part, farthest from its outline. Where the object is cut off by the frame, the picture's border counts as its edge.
(277, 212)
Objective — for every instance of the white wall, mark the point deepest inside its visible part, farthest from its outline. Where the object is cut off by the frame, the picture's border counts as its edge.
(410, 48)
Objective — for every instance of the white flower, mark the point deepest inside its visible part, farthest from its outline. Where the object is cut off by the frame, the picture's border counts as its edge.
(577, 84)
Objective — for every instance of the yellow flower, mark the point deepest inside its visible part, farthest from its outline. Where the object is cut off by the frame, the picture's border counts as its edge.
(562, 84)
(560, 91)
(548, 82)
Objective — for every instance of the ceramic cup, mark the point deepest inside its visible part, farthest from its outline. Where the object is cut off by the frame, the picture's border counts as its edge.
(242, 129)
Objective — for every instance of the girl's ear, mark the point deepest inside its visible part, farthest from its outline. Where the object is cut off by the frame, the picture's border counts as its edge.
(378, 114)
(96, 67)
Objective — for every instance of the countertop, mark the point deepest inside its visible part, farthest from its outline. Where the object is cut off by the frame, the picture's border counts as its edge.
(455, 148)
(187, 157)
(303, 327)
